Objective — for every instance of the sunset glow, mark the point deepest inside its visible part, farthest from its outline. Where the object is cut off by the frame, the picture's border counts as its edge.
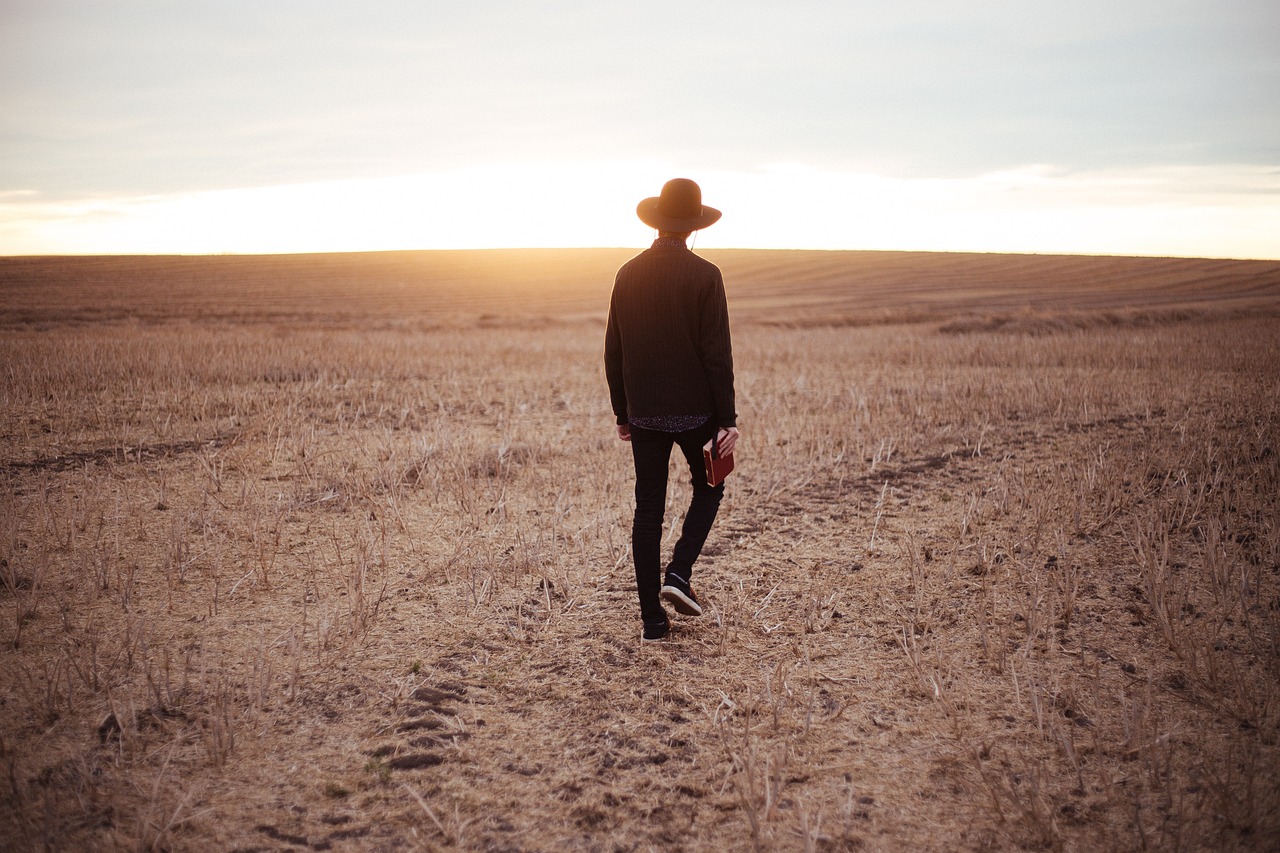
(1032, 210)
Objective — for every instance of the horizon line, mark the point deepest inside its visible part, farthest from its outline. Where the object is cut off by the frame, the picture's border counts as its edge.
(636, 248)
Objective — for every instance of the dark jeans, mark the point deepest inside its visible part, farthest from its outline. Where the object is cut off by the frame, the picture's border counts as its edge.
(652, 453)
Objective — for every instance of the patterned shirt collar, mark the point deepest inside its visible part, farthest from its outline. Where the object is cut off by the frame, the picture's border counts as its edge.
(668, 243)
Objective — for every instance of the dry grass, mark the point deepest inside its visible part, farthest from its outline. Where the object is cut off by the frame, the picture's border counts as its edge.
(312, 553)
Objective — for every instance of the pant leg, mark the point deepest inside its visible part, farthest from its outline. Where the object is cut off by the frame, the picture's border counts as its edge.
(651, 451)
(703, 505)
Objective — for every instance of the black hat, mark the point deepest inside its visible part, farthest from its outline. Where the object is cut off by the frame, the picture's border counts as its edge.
(679, 208)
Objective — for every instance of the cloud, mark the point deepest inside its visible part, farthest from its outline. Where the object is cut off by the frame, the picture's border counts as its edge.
(147, 97)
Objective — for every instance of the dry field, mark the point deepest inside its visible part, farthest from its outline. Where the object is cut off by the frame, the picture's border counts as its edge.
(331, 553)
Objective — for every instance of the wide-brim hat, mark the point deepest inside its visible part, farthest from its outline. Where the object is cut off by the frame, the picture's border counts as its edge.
(679, 208)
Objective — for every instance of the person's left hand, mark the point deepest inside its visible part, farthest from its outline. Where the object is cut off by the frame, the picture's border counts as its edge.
(624, 432)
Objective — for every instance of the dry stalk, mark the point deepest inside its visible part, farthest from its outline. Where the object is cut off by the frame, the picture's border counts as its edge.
(219, 723)
(455, 834)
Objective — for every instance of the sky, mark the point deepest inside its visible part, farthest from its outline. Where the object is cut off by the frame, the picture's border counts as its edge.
(1147, 127)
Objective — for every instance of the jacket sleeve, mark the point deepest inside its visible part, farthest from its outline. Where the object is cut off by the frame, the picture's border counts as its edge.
(613, 366)
(716, 351)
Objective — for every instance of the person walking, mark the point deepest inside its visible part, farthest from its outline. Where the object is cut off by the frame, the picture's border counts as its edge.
(669, 366)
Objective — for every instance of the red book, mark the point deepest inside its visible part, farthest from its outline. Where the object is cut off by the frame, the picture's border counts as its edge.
(718, 466)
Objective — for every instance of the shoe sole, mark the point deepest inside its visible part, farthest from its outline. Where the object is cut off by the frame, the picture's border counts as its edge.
(681, 602)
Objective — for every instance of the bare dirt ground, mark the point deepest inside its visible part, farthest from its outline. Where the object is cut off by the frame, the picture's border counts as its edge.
(331, 553)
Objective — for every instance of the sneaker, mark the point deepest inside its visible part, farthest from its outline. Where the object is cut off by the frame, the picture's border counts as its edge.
(676, 590)
(657, 629)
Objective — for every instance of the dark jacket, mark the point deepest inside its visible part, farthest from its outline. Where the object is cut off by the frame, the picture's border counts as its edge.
(667, 349)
